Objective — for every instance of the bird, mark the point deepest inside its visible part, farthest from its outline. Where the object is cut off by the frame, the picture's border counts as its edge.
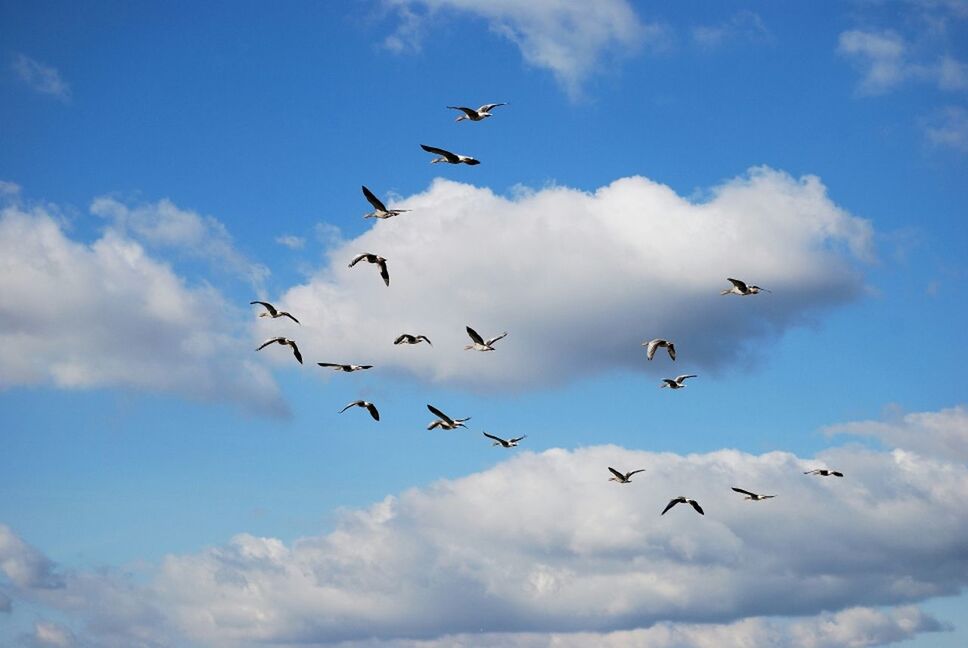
(678, 382)
(270, 311)
(823, 472)
(370, 407)
(652, 345)
(286, 341)
(344, 367)
(379, 210)
(509, 443)
(623, 478)
(740, 288)
(479, 343)
(373, 258)
(752, 496)
(475, 115)
(406, 338)
(682, 500)
(447, 156)
(443, 421)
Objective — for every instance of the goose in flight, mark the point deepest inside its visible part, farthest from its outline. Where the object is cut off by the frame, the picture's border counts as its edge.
(406, 338)
(655, 344)
(370, 407)
(823, 472)
(740, 288)
(447, 156)
(373, 258)
(480, 344)
(475, 115)
(285, 341)
(507, 443)
(683, 500)
(443, 421)
(270, 311)
(752, 496)
(623, 478)
(678, 382)
(344, 367)
(379, 210)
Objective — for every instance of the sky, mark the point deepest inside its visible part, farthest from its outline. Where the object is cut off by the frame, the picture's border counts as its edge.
(162, 483)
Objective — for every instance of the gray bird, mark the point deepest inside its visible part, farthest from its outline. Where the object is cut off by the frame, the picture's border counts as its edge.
(406, 338)
(652, 345)
(678, 382)
(344, 367)
(823, 472)
(507, 443)
(379, 210)
(752, 496)
(443, 421)
(740, 288)
(479, 343)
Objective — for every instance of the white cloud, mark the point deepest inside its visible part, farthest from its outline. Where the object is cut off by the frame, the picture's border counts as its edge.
(580, 279)
(80, 315)
(942, 434)
(948, 127)
(42, 78)
(291, 242)
(743, 26)
(887, 60)
(568, 37)
(51, 634)
(9, 188)
(24, 565)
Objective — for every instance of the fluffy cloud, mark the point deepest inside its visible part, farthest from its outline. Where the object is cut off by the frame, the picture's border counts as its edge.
(107, 314)
(886, 60)
(542, 546)
(742, 26)
(941, 434)
(42, 78)
(24, 565)
(567, 37)
(580, 279)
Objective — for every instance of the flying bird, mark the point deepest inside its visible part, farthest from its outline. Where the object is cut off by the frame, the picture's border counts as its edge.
(285, 341)
(823, 472)
(740, 288)
(270, 311)
(443, 421)
(379, 210)
(406, 338)
(476, 115)
(682, 500)
(752, 496)
(678, 382)
(344, 367)
(652, 345)
(507, 443)
(447, 156)
(479, 344)
(370, 407)
(623, 478)
(373, 258)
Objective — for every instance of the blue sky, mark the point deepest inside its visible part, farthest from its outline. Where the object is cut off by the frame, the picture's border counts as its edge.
(162, 166)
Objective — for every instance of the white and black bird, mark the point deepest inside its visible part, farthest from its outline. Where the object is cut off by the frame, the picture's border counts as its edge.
(370, 407)
(507, 443)
(683, 500)
(373, 258)
(270, 311)
(283, 341)
(657, 343)
(479, 343)
(476, 115)
(344, 367)
(823, 472)
(752, 496)
(678, 382)
(443, 421)
(448, 157)
(623, 478)
(740, 288)
(379, 209)
(406, 338)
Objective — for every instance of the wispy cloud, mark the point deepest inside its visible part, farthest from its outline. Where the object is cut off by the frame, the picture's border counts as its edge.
(42, 78)
(290, 241)
(948, 127)
(744, 26)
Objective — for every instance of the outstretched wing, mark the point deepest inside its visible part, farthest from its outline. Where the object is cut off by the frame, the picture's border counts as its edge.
(401, 339)
(436, 412)
(495, 339)
(519, 438)
(669, 506)
(744, 492)
(470, 112)
(650, 350)
(671, 348)
(353, 404)
(439, 151)
(490, 107)
(373, 411)
(498, 439)
(295, 351)
(696, 506)
(475, 336)
(373, 200)
(329, 364)
(634, 471)
(358, 258)
(268, 342)
(269, 307)
(739, 284)
(289, 315)
(384, 272)
(425, 339)
(679, 379)
(620, 476)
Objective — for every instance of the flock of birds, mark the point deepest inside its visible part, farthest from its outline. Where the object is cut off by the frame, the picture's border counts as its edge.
(479, 343)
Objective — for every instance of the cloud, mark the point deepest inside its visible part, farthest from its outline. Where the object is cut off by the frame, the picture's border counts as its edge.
(570, 38)
(743, 26)
(291, 242)
(887, 60)
(8, 189)
(942, 434)
(42, 78)
(80, 315)
(581, 279)
(24, 565)
(541, 545)
(51, 634)
(948, 127)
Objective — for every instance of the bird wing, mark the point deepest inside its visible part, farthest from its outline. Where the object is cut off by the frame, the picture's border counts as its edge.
(425, 339)
(289, 315)
(373, 200)
(629, 474)
(836, 473)
(525, 436)
(328, 364)
(439, 151)
(358, 258)
(401, 338)
(696, 506)
(669, 382)
(489, 107)
(364, 366)
(384, 272)
(475, 336)
(650, 350)
(620, 476)
(679, 379)
(745, 492)
(739, 284)
(491, 436)
(295, 351)
(435, 424)
(353, 404)
(470, 112)
(269, 307)
(671, 348)
(469, 161)
(436, 412)
(669, 506)
(373, 411)
(495, 339)
(812, 472)
(269, 341)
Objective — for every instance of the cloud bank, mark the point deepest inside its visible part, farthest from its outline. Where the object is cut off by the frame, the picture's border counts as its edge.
(581, 279)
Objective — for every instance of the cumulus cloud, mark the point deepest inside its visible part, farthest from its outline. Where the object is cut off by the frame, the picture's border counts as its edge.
(941, 434)
(743, 26)
(568, 37)
(81, 315)
(42, 78)
(24, 565)
(580, 279)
